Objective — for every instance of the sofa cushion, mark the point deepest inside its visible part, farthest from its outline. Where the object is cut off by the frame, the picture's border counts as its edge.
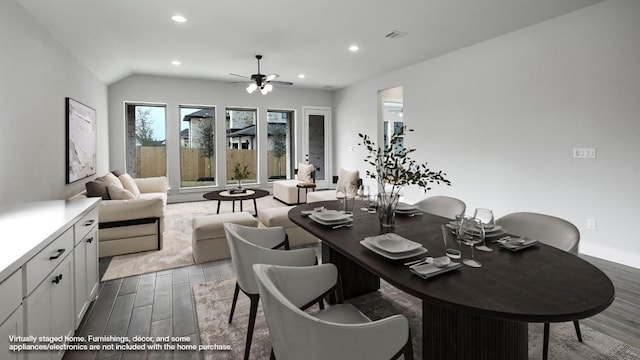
(97, 188)
(129, 184)
(117, 173)
(348, 181)
(305, 172)
(111, 179)
(119, 193)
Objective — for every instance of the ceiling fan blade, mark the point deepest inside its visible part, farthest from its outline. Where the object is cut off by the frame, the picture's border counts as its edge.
(242, 76)
(271, 77)
(281, 82)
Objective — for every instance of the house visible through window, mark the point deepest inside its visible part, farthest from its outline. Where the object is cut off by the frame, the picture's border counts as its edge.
(197, 146)
(280, 145)
(146, 140)
(241, 145)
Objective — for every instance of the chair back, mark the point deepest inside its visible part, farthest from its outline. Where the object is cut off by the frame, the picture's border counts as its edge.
(245, 253)
(444, 206)
(547, 229)
(296, 334)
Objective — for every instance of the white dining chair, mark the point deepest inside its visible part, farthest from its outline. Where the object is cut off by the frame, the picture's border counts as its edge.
(338, 332)
(444, 206)
(552, 231)
(249, 245)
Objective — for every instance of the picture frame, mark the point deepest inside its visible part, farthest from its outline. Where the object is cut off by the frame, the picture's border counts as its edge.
(80, 140)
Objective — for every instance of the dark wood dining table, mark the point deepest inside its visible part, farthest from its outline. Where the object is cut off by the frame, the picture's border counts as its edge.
(467, 313)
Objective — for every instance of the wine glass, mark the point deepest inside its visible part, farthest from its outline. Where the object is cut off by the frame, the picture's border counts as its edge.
(363, 192)
(488, 222)
(471, 232)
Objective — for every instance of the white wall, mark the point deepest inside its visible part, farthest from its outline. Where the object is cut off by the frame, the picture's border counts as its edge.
(181, 91)
(502, 117)
(36, 74)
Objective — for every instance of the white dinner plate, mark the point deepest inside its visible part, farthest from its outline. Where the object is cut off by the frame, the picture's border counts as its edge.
(393, 243)
(345, 220)
(405, 207)
(330, 216)
(392, 256)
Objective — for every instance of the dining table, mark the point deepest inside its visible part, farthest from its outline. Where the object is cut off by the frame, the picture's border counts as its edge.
(467, 313)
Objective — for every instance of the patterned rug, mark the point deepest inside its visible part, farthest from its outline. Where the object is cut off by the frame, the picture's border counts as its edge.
(213, 301)
(176, 251)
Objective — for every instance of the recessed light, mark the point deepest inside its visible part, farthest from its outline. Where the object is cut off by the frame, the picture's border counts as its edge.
(179, 18)
(176, 62)
(301, 76)
(354, 48)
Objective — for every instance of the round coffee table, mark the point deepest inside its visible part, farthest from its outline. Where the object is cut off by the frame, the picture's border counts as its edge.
(225, 195)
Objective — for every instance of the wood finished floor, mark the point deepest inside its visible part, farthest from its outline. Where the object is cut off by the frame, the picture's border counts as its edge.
(161, 304)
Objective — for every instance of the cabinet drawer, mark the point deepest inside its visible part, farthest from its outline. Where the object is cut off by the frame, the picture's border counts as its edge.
(11, 294)
(84, 225)
(46, 260)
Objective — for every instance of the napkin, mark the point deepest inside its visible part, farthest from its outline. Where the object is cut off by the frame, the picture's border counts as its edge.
(430, 270)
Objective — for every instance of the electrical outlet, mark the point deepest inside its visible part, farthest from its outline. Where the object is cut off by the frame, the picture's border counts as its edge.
(591, 224)
(584, 153)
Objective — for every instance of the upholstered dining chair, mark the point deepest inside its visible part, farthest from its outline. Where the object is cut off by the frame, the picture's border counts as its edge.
(552, 231)
(250, 245)
(444, 206)
(337, 332)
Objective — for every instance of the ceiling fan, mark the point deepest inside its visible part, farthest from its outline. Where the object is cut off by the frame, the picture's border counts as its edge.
(264, 82)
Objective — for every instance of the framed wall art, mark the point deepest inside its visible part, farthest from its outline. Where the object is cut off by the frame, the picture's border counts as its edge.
(81, 141)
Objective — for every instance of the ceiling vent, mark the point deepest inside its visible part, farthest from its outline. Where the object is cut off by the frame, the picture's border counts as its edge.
(395, 34)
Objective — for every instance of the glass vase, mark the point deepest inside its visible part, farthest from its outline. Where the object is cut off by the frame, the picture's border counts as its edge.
(387, 209)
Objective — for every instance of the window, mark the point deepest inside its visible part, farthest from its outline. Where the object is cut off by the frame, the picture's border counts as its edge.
(241, 145)
(197, 146)
(280, 145)
(146, 140)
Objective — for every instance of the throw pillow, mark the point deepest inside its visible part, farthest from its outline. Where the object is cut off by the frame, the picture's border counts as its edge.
(117, 173)
(348, 181)
(304, 172)
(111, 179)
(129, 184)
(97, 188)
(119, 193)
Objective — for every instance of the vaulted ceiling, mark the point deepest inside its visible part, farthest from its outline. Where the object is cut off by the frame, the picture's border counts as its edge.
(116, 38)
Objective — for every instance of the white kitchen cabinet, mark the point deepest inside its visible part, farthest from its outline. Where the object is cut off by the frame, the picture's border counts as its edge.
(49, 273)
(85, 261)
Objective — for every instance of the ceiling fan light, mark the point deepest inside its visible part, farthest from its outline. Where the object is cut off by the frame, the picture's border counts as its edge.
(264, 90)
(251, 88)
(268, 87)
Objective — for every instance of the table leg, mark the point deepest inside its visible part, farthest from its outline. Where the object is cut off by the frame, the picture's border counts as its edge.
(255, 206)
(241, 205)
(233, 206)
(450, 334)
(355, 280)
(218, 211)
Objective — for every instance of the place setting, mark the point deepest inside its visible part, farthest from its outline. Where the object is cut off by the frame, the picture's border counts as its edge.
(334, 218)
(393, 246)
(407, 210)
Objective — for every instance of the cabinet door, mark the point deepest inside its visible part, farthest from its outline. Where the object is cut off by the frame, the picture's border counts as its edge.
(50, 308)
(86, 273)
(11, 326)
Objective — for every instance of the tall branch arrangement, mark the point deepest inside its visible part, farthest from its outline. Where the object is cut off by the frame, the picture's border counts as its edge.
(394, 166)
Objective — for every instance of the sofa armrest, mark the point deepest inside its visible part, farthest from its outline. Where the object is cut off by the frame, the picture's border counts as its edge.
(156, 184)
(119, 210)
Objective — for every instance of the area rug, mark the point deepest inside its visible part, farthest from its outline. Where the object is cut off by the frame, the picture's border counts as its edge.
(213, 302)
(176, 251)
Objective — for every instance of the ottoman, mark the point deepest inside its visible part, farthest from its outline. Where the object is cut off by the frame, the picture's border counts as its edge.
(278, 216)
(209, 241)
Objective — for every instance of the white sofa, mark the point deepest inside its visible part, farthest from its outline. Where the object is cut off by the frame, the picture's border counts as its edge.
(135, 224)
